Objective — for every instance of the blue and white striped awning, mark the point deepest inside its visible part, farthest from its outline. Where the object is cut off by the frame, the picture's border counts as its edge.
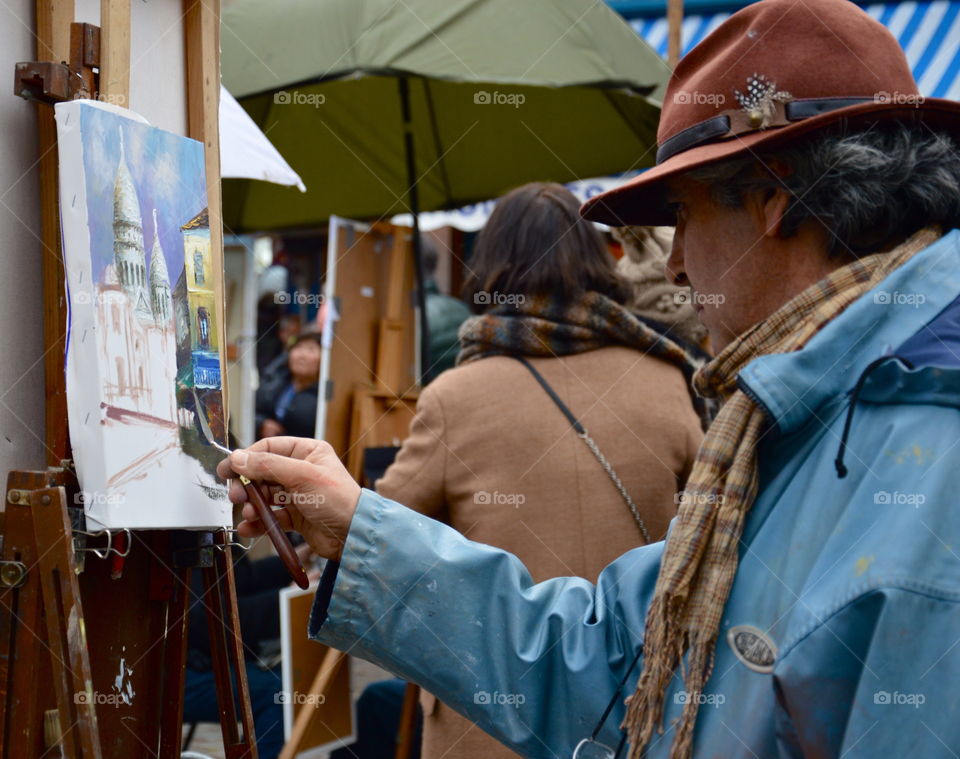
(929, 32)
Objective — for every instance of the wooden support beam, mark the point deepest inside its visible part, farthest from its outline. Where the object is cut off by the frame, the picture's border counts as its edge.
(115, 52)
(201, 21)
(53, 44)
(674, 31)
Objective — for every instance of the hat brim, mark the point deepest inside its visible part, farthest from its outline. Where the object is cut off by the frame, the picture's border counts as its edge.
(641, 200)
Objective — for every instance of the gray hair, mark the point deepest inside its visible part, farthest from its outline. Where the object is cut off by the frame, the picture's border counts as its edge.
(868, 189)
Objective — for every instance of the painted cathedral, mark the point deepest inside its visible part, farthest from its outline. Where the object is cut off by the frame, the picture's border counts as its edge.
(135, 313)
(158, 344)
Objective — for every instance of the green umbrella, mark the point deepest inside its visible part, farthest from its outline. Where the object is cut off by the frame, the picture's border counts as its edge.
(500, 92)
(386, 106)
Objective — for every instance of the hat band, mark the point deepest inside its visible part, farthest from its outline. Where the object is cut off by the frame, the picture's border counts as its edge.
(738, 121)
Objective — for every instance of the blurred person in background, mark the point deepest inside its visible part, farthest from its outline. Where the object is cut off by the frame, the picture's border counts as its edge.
(653, 296)
(445, 314)
(286, 403)
(491, 452)
(287, 329)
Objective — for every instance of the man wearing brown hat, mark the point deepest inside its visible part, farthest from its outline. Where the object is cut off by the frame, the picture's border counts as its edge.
(806, 601)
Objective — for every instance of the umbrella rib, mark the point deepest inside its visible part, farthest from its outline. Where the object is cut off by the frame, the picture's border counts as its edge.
(437, 144)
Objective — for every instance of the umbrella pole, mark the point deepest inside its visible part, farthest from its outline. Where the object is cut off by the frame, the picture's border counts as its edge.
(413, 200)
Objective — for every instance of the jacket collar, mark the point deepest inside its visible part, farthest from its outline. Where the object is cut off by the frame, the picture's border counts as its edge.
(792, 386)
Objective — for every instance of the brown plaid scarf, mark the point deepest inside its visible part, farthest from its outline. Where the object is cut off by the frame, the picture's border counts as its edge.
(701, 554)
(545, 326)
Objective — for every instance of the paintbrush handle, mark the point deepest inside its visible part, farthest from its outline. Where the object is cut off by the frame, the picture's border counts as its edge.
(277, 536)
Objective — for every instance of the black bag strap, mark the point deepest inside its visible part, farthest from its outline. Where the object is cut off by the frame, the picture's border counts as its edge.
(591, 444)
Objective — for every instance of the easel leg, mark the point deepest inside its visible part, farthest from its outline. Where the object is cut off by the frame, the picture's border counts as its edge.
(36, 528)
(226, 649)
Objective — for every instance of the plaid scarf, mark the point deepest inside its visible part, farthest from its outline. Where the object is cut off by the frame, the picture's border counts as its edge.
(701, 554)
(545, 326)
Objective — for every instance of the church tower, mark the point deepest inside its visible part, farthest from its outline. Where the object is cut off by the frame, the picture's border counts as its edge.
(160, 299)
(128, 253)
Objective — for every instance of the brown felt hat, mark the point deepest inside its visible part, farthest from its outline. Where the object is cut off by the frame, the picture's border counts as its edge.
(772, 72)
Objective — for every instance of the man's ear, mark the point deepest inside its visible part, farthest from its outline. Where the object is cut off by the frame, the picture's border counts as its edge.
(776, 201)
(769, 206)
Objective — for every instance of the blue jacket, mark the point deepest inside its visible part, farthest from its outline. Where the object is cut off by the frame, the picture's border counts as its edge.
(841, 636)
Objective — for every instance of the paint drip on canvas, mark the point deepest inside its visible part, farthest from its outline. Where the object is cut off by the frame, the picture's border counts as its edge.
(143, 341)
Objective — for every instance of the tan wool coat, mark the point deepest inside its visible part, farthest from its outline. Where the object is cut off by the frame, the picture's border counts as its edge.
(491, 454)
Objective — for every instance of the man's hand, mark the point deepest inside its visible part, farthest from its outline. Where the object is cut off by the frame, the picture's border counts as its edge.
(307, 479)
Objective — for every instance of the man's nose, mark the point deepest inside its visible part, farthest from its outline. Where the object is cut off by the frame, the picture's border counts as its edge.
(673, 268)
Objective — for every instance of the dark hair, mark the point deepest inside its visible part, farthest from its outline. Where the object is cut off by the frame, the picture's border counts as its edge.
(869, 189)
(536, 243)
(313, 336)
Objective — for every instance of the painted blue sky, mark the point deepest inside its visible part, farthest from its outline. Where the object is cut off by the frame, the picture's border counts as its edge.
(168, 171)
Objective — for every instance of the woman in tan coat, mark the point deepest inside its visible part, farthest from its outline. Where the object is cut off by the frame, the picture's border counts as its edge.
(491, 452)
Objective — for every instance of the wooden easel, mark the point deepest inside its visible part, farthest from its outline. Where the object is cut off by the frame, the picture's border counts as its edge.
(72, 613)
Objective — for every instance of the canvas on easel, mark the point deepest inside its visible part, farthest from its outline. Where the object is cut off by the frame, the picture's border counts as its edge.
(142, 343)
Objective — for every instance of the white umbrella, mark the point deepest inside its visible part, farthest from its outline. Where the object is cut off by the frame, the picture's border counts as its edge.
(246, 152)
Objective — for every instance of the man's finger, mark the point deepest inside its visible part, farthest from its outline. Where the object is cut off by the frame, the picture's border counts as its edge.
(252, 518)
(248, 529)
(271, 466)
(285, 445)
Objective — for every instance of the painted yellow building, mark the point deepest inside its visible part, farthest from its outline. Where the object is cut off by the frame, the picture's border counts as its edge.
(198, 358)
